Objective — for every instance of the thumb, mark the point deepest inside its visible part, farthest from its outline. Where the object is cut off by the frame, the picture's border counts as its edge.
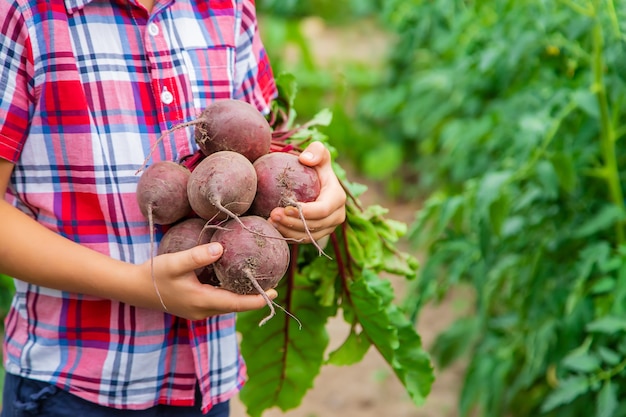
(196, 257)
(315, 154)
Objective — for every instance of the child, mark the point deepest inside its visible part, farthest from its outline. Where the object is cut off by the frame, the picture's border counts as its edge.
(87, 88)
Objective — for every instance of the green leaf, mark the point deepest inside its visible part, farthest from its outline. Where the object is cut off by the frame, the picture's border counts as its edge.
(567, 391)
(565, 171)
(411, 362)
(370, 310)
(352, 350)
(287, 88)
(548, 178)
(608, 356)
(607, 325)
(607, 400)
(603, 285)
(499, 212)
(282, 359)
(607, 217)
(392, 334)
(325, 275)
(587, 101)
(323, 118)
(489, 190)
(364, 235)
(582, 363)
(456, 340)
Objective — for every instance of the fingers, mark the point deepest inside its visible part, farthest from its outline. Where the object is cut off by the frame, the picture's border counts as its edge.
(287, 221)
(224, 301)
(191, 259)
(322, 215)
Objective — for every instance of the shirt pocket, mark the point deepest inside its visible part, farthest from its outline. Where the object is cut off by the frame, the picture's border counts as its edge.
(211, 73)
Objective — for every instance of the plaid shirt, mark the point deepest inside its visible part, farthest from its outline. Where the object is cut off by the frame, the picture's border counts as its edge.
(86, 88)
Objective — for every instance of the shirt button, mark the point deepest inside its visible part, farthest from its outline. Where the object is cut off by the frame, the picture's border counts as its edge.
(167, 97)
(153, 29)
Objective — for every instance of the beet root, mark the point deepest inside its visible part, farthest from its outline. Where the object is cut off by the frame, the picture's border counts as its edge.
(185, 235)
(162, 192)
(255, 258)
(222, 185)
(233, 125)
(283, 181)
(227, 125)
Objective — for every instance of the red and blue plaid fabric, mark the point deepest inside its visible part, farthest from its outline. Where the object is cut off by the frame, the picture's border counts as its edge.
(87, 87)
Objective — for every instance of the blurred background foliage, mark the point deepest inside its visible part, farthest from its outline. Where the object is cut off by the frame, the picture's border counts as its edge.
(504, 122)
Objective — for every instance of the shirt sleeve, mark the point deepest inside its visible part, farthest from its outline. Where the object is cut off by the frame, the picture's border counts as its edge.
(253, 74)
(16, 68)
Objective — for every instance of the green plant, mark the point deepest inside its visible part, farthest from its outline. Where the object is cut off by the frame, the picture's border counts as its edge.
(6, 294)
(351, 282)
(332, 10)
(516, 132)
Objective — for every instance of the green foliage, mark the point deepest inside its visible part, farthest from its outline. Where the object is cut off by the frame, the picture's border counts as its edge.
(6, 294)
(332, 10)
(512, 112)
(294, 33)
(351, 281)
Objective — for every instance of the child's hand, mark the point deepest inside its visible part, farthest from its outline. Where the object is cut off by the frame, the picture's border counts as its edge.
(181, 292)
(324, 214)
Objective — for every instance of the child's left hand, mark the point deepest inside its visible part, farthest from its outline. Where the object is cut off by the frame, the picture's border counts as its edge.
(322, 215)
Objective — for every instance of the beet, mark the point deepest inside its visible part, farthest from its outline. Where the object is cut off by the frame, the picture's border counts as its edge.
(229, 125)
(185, 235)
(162, 192)
(283, 181)
(222, 185)
(255, 257)
(233, 125)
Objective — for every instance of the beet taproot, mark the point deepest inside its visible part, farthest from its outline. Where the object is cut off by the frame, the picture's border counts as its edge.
(222, 185)
(162, 197)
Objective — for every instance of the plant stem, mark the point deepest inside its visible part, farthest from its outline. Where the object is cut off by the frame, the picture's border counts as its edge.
(607, 132)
